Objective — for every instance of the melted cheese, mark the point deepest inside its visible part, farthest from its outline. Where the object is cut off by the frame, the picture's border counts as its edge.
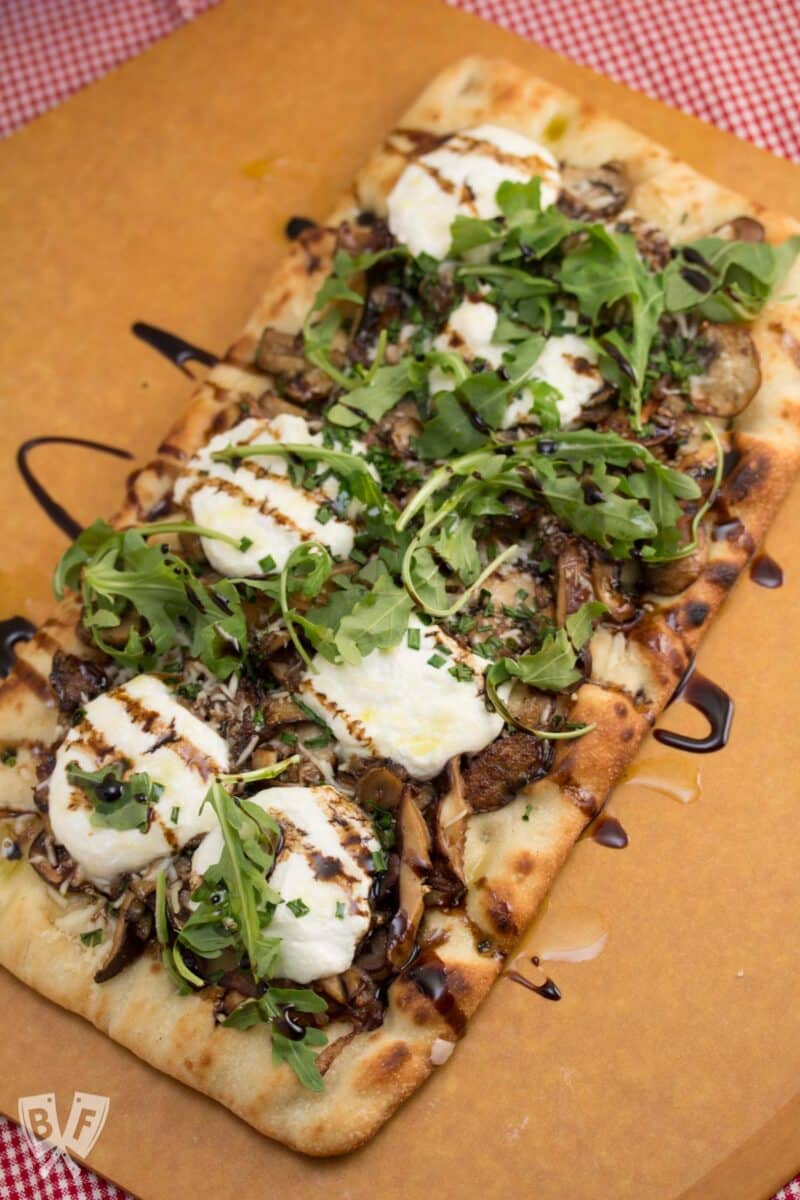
(618, 662)
(127, 724)
(395, 704)
(324, 862)
(462, 176)
(255, 500)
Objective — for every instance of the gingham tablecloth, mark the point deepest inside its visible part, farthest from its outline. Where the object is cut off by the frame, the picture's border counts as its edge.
(735, 63)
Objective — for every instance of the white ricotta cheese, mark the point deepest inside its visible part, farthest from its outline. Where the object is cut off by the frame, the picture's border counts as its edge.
(567, 362)
(255, 500)
(395, 704)
(462, 176)
(127, 724)
(325, 863)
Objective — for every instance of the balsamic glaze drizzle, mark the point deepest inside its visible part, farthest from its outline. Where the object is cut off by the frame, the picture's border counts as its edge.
(710, 700)
(766, 572)
(57, 514)
(609, 832)
(173, 348)
(547, 990)
(13, 630)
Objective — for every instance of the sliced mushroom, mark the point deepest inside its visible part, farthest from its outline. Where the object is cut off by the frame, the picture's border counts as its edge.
(605, 577)
(380, 786)
(133, 932)
(530, 708)
(742, 229)
(669, 578)
(651, 242)
(400, 427)
(75, 680)
(451, 820)
(494, 776)
(574, 576)
(281, 354)
(415, 862)
(52, 862)
(594, 192)
(282, 710)
(731, 370)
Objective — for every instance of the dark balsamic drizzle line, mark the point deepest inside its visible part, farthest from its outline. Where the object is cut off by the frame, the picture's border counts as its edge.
(173, 348)
(710, 700)
(13, 630)
(766, 572)
(57, 514)
(547, 990)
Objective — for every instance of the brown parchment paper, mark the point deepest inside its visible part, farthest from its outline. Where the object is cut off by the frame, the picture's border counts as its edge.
(665, 1071)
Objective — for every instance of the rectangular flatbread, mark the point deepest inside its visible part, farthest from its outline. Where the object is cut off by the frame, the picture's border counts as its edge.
(285, 778)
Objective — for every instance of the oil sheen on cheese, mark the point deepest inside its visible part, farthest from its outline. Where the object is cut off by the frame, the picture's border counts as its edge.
(325, 862)
(253, 499)
(462, 176)
(142, 725)
(398, 704)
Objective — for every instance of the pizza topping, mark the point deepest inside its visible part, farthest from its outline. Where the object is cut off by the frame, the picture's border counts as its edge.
(132, 933)
(731, 372)
(418, 703)
(322, 875)
(137, 730)
(255, 501)
(462, 175)
(594, 193)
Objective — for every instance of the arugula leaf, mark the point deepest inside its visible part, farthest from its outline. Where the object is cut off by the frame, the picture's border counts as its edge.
(378, 621)
(726, 281)
(118, 803)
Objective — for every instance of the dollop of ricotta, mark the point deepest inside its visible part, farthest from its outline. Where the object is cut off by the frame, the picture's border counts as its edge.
(462, 175)
(400, 704)
(325, 863)
(254, 499)
(141, 725)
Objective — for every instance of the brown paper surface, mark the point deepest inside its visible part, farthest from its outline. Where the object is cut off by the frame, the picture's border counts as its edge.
(674, 1056)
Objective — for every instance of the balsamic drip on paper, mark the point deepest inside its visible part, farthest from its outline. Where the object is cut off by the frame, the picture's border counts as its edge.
(710, 700)
(766, 572)
(547, 990)
(56, 512)
(609, 832)
(173, 348)
(297, 225)
(13, 630)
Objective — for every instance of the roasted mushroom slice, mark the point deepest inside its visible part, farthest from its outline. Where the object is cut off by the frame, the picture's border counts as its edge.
(593, 193)
(574, 576)
(52, 862)
(415, 862)
(741, 229)
(133, 932)
(494, 776)
(669, 578)
(605, 577)
(381, 786)
(281, 354)
(451, 820)
(731, 373)
(75, 680)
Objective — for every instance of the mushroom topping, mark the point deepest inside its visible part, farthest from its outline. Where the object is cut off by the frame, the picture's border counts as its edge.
(741, 229)
(731, 372)
(52, 862)
(451, 820)
(415, 862)
(669, 578)
(400, 427)
(494, 776)
(605, 577)
(591, 193)
(133, 932)
(574, 586)
(380, 787)
(281, 354)
(75, 680)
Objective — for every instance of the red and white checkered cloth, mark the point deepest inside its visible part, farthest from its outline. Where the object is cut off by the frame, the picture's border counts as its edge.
(734, 64)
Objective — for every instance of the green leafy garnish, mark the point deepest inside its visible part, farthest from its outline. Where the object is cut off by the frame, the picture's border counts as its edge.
(723, 280)
(118, 803)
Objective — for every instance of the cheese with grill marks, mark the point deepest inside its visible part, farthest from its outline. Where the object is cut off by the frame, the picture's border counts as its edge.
(141, 725)
(399, 704)
(254, 499)
(462, 177)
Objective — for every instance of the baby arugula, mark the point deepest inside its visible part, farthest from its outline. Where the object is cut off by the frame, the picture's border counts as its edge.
(233, 909)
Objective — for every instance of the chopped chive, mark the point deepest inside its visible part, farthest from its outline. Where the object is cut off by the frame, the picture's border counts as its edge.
(526, 816)
(298, 907)
(340, 909)
(288, 738)
(379, 860)
(414, 639)
(323, 515)
(245, 544)
(436, 660)
(462, 672)
(258, 718)
(318, 743)
(266, 564)
(176, 812)
(93, 937)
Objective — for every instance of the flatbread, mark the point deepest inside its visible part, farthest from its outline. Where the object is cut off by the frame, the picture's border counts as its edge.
(510, 862)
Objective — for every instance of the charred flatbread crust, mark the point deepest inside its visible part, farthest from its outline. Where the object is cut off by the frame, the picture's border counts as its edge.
(509, 863)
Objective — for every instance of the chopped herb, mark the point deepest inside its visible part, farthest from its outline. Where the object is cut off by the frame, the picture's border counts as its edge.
(298, 907)
(175, 814)
(92, 937)
(189, 691)
(462, 672)
(379, 861)
(245, 544)
(414, 638)
(266, 564)
(526, 816)
(340, 910)
(436, 660)
(288, 738)
(9, 758)
(323, 515)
